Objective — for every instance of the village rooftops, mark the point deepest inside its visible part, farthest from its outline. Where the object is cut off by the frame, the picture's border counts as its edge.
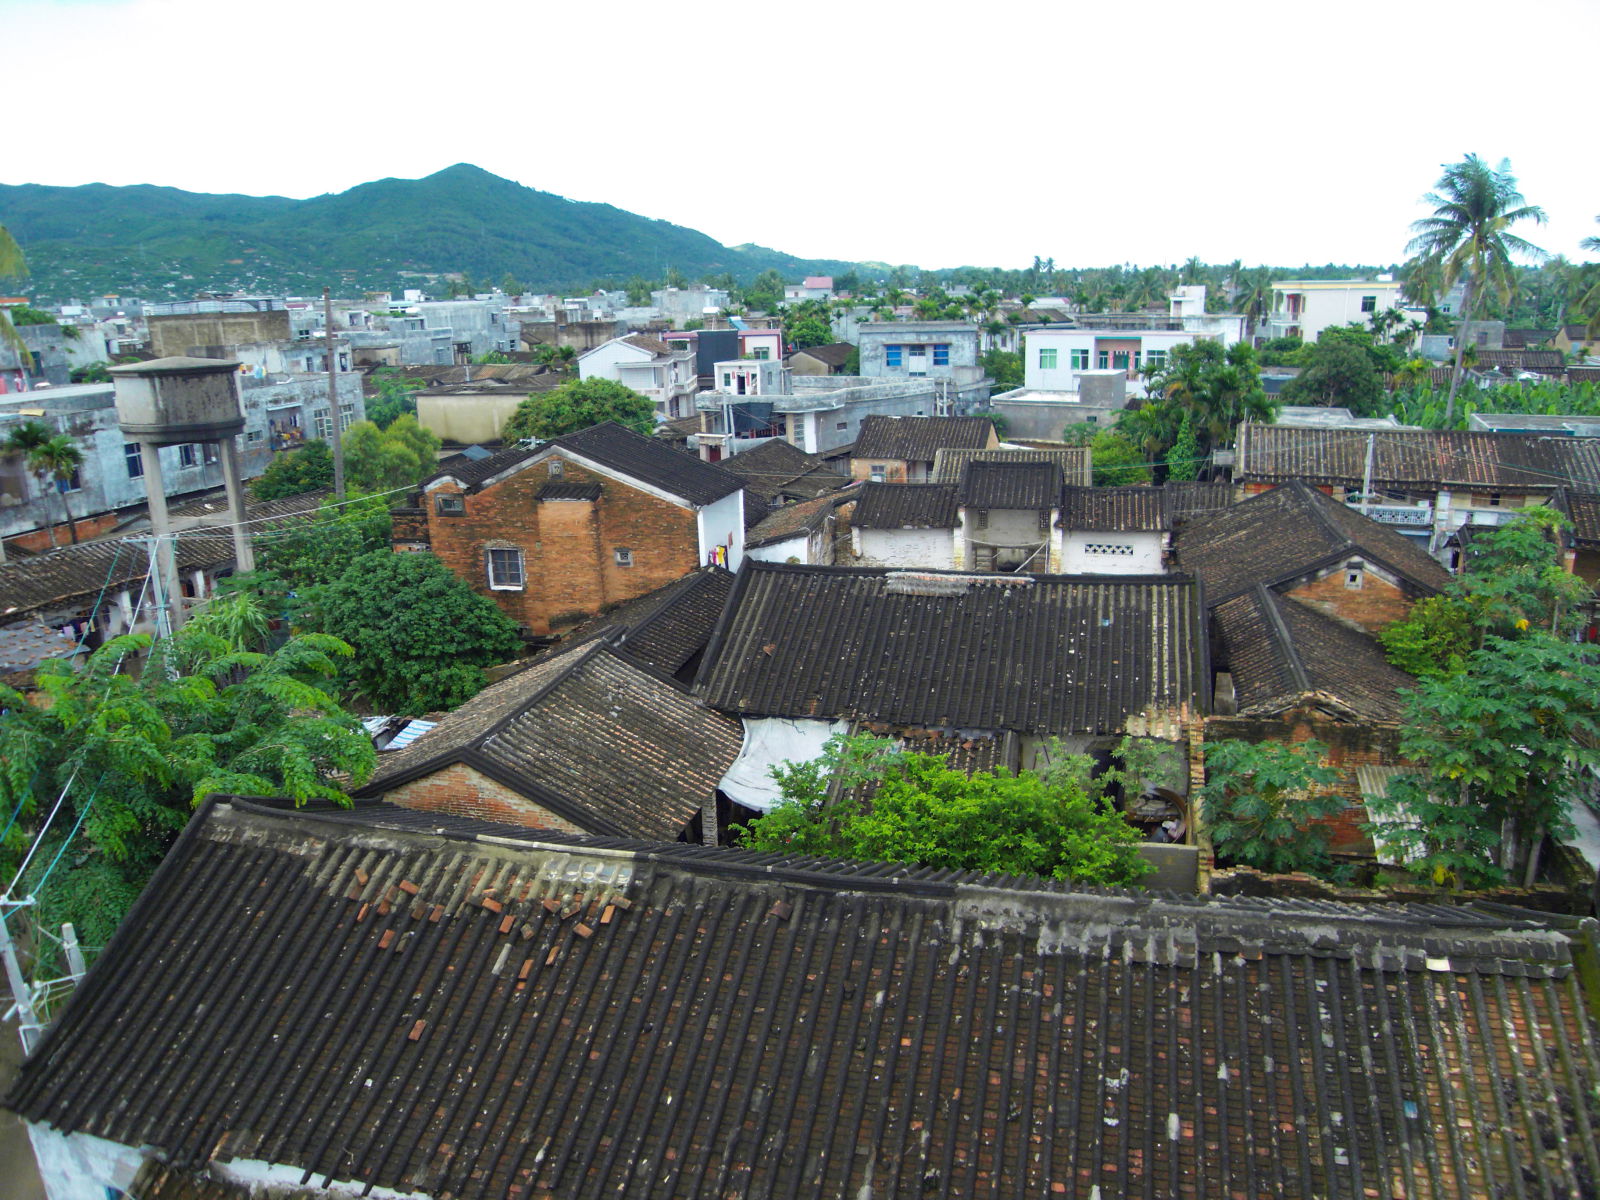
(1425, 460)
(432, 1007)
(1011, 485)
(950, 465)
(907, 506)
(597, 739)
(1282, 653)
(667, 628)
(1115, 509)
(777, 468)
(1290, 532)
(919, 439)
(950, 650)
(793, 520)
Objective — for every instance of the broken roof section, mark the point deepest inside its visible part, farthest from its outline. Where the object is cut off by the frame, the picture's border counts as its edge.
(590, 736)
(1037, 654)
(558, 1016)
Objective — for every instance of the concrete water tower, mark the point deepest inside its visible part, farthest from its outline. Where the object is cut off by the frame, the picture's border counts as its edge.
(172, 402)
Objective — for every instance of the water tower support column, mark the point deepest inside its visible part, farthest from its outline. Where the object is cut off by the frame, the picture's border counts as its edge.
(243, 552)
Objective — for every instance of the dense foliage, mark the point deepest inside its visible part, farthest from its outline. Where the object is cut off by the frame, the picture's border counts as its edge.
(383, 460)
(578, 405)
(295, 472)
(394, 395)
(1505, 720)
(902, 806)
(1262, 802)
(422, 637)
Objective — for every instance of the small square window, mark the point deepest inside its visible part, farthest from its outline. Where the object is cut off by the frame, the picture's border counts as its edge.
(1047, 360)
(1369, 304)
(880, 473)
(505, 569)
(941, 355)
(1352, 579)
(624, 556)
(891, 356)
(1080, 360)
(981, 519)
(187, 456)
(557, 468)
(450, 506)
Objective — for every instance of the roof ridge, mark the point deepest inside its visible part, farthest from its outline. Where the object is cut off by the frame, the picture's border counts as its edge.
(1265, 598)
(580, 655)
(1319, 513)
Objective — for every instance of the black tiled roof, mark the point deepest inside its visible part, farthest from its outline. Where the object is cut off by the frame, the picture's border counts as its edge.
(1114, 509)
(1290, 531)
(569, 491)
(1583, 510)
(665, 629)
(1184, 500)
(907, 506)
(483, 1014)
(779, 468)
(918, 439)
(1417, 459)
(835, 354)
(792, 520)
(1035, 654)
(470, 473)
(651, 461)
(589, 735)
(1282, 653)
(1011, 485)
(949, 466)
(78, 573)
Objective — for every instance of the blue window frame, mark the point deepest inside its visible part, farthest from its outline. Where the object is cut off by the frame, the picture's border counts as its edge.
(941, 355)
(891, 356)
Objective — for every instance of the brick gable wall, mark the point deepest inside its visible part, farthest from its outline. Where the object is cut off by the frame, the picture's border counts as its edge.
(462, 791)
(568, 546)
(1374, 604)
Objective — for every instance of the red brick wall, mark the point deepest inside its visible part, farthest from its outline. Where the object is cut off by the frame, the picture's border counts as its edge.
(1349, 747)
(462, 791)
(38, 540)
(568, 546)
(1371, 606)
(894, 469)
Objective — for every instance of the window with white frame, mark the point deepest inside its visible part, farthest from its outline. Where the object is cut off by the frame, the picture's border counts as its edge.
(1047, 360)
(1080, 360)
(135, 459)
(450, 506)
(761, 353)
(1103, 359)
(1369, 304)
(557, 468)
(323, 425)
(880, 473)
(505, 569)
(189, 454)
(1155, 358)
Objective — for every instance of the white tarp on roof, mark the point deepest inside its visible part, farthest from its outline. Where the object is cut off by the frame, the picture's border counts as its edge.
(769, 741)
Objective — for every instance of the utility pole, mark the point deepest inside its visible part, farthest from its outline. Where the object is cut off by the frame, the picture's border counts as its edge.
(22, 995)
(333, 395)
(1366, 477)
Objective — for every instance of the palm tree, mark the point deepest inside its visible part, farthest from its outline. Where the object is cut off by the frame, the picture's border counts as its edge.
(53, 457)
(1254, 299)
(1475, 206)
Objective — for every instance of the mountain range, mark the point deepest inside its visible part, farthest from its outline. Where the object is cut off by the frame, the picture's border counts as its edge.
(163, 243)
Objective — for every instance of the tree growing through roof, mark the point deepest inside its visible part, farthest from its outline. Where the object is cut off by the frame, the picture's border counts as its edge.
(1469, 235)
(129, 753)
(908, 807)
(1262, 801)
(578, 405)
(422, 637)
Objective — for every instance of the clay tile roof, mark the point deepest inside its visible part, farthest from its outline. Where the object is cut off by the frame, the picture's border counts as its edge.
(836, 354)
(667, 628)
(653, 345)
(1281, 652)
(1420, 458)
(1290, 532)
(949, 466)
(1184, 500)
(1583, 510)
(73, 575)
(471, 473)
(918, 439)
(777, 467)
(907, 506)
(597, 739)
(651, 461)
(733, 1024)
(1011, 485)
(1115, 509)
(793, 520)
(1034, 654)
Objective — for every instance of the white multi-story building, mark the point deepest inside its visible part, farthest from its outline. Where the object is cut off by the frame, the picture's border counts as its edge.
(1303, 308)
(648, 366)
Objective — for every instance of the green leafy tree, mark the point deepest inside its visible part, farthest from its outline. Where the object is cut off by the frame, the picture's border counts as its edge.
(1433, 639)
(1218, 387)
(95, 372)
(766, 293)
(422, 637)
(299, 556)
(578, 405)
(1338, 373)
(1469, 235)
(1004, 367)
(53, 458)
(381, 460)
(131, 752)
(1262, 801)
(1183, 460)
(813, 331)
(295, 472)
(394, 396)
(912, 808)
(1117, 461)
(1501, 747)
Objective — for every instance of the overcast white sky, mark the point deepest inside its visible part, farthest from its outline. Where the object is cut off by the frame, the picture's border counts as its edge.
(940, 135)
